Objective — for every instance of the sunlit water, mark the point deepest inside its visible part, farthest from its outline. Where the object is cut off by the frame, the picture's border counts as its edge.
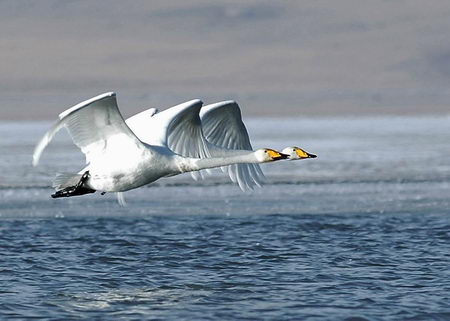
(362, 232)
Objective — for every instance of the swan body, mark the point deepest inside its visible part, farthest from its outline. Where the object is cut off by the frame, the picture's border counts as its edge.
(296, 153)
(117, 160)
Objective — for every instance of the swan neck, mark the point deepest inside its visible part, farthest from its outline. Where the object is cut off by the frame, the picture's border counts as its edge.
(195, 164)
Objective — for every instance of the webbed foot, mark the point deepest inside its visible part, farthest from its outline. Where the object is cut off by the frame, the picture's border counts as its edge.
(76, 190)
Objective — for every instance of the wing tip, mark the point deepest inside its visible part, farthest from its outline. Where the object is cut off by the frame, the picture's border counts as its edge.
(222, 103)
(35, 161)
(219, 105)
(188, 105)
(38, 151)
(195, 101)
(44, 141)
(36, 157)
(86, 103)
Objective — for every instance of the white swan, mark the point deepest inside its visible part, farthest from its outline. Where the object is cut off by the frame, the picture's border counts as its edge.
(217, 133)
(118, 161)
(296, 153)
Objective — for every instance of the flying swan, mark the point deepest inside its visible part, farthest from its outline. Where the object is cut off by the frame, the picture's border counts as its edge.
(217, 131)
(223, 130)
(117, 160)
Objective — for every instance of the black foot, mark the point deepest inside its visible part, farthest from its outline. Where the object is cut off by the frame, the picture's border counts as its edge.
(75, 190)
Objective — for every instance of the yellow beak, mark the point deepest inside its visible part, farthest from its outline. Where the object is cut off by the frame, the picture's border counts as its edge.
(302, 154)
(276, 155)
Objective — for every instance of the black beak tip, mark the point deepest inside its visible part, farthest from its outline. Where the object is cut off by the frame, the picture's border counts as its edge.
(312, 156)
(282, 156)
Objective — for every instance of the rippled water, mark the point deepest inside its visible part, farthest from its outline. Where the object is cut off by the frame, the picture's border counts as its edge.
(361, 233)
(213, 267)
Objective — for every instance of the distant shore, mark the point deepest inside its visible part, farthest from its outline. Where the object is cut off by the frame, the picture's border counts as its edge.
(26, 106)
(288, 59)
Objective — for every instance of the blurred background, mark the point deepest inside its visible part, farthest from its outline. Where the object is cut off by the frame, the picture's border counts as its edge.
(285, 58)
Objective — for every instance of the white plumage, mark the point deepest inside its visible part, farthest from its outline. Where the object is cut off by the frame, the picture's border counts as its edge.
(119, 159)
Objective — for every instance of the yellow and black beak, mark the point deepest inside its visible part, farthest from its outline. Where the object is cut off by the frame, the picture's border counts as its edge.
(281, 156)
(277, 155)
(303, 155)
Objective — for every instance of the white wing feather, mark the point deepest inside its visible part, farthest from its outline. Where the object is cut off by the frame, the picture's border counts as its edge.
(121, 199)
(223, 128)
(178, 128)
(93, 124)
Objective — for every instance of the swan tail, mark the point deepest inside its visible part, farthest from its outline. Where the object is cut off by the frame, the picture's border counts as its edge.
(63, 180)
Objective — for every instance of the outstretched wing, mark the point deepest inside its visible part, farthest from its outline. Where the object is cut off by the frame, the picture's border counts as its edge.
(223, 127)
(93, 125)
(178, 128)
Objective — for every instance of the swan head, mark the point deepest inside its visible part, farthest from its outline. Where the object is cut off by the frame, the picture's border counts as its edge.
(265, 155)
(297, 153)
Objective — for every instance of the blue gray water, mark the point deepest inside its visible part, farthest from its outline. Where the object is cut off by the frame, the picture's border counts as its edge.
(360, 233)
